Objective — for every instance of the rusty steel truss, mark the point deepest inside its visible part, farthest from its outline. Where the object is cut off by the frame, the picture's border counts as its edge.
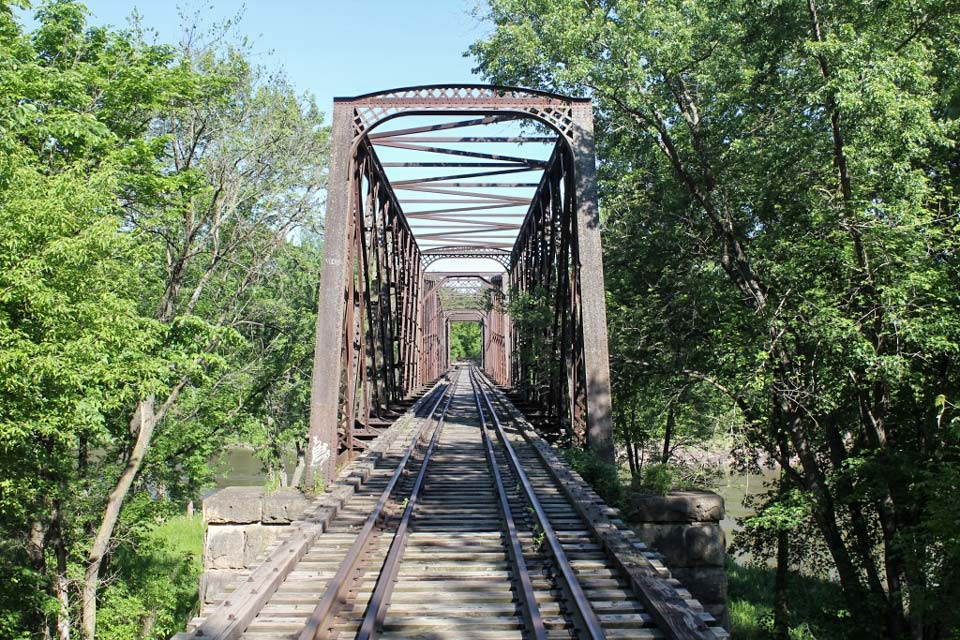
(384, 319)
(467, 297)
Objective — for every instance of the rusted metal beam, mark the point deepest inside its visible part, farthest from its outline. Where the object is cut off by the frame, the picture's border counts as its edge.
(488, 197)
(480, 244)
(478, 174)
(380, 331)
(478, 185)
(465, 210)
(460, 152)
(443, 126)
(474, 139)
(455, 164)
(485, 200)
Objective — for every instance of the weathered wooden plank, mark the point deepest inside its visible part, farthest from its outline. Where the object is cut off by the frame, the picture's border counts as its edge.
(671, 611)
(229, 620)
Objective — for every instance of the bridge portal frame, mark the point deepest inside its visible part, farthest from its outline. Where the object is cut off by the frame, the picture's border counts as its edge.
(366, 228)
(487, 309)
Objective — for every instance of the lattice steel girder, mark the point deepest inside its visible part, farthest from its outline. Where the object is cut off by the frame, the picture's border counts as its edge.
(376, 337)
(440, 253)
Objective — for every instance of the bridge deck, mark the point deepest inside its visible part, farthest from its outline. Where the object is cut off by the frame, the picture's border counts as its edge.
(457, 575)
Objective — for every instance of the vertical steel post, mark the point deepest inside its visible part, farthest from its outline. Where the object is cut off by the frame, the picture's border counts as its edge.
(592, 299)
(336, 267)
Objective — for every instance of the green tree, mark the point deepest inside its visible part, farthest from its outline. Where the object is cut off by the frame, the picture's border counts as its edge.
(243, 168)
(152, 201)
(465, 341)
(784, 173)
(75, 346)
(280, 335)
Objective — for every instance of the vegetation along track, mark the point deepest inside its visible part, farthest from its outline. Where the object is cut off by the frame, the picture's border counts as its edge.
(462, 529)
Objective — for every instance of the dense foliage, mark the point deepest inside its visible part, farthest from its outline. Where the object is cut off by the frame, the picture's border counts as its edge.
(779, 185)
(465, 341)
(158, 261)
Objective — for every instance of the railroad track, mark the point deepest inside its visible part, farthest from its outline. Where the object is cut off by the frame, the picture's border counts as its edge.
(463, 528)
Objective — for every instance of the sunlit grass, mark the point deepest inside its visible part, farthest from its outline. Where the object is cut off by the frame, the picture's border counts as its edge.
(183, 536)
(158, 573)
(816, 605)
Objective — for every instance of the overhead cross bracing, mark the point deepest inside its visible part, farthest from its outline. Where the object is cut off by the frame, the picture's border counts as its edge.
(429, 181)
(465, 194)
(461, 291)
(466, 297)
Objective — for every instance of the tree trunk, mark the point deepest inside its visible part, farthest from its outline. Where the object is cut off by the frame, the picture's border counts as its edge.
(668, 433)
(631, 458)
(143, 423)
(824, 507)
(781, 611)
(301, 465)
(672, 423)
(62, 583)
(895, 570)
(861, 543)
(637, 445)
(35, 546)
(36, 552)
(148, 623)
(873, 428)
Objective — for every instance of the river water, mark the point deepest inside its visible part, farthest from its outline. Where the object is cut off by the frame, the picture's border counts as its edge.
(238, 467)
(734, 487)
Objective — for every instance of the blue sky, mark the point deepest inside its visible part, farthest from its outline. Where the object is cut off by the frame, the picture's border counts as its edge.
(349, 47)
(333, 47)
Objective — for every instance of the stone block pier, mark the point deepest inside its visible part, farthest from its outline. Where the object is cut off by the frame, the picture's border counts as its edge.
(684, 526)
(241, 523)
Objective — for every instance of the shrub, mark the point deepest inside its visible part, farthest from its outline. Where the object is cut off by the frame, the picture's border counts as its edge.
(601, 475)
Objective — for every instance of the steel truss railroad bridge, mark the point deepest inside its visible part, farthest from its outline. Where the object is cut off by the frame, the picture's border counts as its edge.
(383, 318)
(447, 514)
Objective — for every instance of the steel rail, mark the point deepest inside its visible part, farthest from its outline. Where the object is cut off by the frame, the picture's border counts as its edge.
(670, 612)
(380, 599)
(317, 625)
(531, 610)
(583, 613)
